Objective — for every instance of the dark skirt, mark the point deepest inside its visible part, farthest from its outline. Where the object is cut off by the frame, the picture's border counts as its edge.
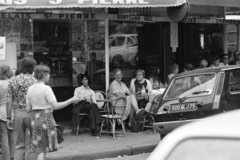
(43, 133)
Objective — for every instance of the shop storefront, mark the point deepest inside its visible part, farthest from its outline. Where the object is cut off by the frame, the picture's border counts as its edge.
(83, 37)
(74, 39)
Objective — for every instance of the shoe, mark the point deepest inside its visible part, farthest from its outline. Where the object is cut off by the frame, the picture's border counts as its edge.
(140, 114)
(96, 132)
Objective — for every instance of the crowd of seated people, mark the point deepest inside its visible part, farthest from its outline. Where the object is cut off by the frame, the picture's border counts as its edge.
(137, 96)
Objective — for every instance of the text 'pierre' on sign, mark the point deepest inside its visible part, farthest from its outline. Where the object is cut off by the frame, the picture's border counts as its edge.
(14, 16)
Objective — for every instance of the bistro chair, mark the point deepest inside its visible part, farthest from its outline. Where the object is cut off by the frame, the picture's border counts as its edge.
(100, 95)
(149, 118)
(81, 115)
(115, 114)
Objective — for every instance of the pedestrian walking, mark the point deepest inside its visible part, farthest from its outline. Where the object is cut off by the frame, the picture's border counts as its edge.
(40, 103)
(17, 91)
(6, 135)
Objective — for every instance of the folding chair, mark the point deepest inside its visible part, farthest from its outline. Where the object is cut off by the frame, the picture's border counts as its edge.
(115, 114)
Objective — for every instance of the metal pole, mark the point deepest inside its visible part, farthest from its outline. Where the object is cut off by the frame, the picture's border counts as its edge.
(238, 37)
(107, 73)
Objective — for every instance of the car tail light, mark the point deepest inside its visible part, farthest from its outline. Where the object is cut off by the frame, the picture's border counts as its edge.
(217, 97)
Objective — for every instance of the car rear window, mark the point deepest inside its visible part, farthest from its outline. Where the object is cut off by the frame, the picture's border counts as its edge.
(191, 86)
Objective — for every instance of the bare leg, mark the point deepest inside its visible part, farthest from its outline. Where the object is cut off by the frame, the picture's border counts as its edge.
(41, 156)
(134, 103)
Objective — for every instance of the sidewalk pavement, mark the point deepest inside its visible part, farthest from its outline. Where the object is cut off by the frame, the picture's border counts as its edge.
(86, 147)
(133, 157)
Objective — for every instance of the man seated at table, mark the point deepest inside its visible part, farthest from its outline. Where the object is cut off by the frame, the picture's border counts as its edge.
(87, 105)
(142, 87)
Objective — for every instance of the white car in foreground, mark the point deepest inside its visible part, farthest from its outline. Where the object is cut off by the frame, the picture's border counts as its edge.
(213, 138)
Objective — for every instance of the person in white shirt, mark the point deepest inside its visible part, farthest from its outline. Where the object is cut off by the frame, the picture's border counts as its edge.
(40, 102)
(87, 105)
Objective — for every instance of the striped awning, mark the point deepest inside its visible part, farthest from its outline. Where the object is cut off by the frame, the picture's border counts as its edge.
(51, 4)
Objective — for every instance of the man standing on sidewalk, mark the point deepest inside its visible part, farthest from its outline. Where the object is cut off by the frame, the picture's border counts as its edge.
(17, 90)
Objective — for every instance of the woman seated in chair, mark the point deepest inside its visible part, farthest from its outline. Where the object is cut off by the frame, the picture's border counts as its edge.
(87, 105)
(119, 89)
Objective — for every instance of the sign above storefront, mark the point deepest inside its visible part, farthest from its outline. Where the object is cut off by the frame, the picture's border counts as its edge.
(224, 3)
(118, 17)
(34, 4)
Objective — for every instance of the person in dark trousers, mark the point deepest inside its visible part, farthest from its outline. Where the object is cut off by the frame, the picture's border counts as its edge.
(87, 105)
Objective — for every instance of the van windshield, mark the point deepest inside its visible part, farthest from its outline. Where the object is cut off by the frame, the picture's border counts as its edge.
(189, 85)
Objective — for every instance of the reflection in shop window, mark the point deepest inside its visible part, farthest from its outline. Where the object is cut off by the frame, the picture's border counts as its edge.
(87, 48)
(123, 50)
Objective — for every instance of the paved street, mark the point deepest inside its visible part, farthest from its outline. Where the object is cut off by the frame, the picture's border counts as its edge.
(86, 147)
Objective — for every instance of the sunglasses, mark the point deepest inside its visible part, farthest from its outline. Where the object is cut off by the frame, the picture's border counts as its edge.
(225, 58)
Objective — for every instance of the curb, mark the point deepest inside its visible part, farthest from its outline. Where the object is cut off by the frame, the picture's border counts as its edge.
(126, 151)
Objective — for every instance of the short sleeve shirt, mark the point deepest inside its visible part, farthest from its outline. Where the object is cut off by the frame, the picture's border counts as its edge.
(18, 87)
(39, 96)
(115, 87)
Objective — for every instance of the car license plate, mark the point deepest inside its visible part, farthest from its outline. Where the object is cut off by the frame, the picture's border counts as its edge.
(183, 107)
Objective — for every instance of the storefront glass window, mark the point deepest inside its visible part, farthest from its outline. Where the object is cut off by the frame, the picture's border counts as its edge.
(123, 49)
(231, 40)
(88, 51)
(201, 41)
(17, 31)
(134, 46)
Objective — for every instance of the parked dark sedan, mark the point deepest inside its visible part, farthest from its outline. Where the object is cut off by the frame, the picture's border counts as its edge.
(197, 94)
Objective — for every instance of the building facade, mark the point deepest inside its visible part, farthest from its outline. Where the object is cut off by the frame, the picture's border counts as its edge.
(96, 37)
